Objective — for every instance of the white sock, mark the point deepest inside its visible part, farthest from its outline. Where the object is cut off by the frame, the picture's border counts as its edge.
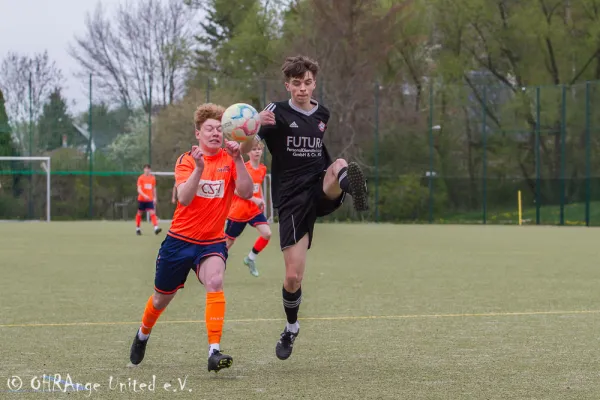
(155, 227)
(142, 336)
(252, 256)
(293, 327)
(137, 229)
(214, 346)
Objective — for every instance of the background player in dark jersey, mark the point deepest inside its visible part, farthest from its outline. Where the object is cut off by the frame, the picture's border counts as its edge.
(306, 182)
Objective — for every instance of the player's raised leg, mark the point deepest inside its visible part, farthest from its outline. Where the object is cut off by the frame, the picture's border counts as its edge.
(210, 273)
(346, 177)
(295, 262)
(262, 226)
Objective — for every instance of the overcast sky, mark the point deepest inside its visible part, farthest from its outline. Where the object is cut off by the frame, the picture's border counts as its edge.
(29, 26)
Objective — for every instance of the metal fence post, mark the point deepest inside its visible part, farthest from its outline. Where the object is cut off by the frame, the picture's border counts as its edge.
(263, 106)
(91, 155)
(207, 89)
(376, 151)
(563, 132)
(484, 156)
(431, 153)
(30, 205)
(150, 125)
(537, 156)
(588, 160)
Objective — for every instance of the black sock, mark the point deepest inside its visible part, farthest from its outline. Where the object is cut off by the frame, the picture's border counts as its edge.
(254, 250)
(291, 304)
(343, 179)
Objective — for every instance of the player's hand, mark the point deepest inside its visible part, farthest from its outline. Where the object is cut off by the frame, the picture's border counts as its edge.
(173, 200)
(260, 203)
(232, 148)
(198, 157)
(267, 117)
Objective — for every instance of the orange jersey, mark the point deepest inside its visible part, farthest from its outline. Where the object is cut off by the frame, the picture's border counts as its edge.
(202, 220)
(243, 210)
(147, 184)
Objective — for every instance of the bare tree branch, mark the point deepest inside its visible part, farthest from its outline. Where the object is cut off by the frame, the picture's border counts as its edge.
(149, 46)
(17, 73)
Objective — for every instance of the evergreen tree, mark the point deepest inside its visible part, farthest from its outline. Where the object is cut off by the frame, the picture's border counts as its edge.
(55, 122)
(107, 123)
(239, 40)
(222, 17)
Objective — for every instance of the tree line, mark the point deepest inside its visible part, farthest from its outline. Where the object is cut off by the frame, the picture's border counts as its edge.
(413, 85)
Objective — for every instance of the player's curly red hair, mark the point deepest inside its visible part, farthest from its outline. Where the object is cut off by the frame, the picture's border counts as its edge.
(208, 111)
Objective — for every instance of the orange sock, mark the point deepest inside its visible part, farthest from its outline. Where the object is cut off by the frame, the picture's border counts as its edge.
(215, 316)
(260, 244)
(153, 218)
(151, 314)
(138, 220)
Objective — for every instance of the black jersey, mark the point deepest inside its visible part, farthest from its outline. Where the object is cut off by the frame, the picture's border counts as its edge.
(295, 142)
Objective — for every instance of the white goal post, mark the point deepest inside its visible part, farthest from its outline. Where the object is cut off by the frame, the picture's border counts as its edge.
(266, 193)
(46, 166)
(268, 197)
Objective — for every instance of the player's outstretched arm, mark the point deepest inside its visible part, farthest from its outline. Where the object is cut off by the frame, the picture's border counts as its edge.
(267, 120)
(243, 182)
(187, 190)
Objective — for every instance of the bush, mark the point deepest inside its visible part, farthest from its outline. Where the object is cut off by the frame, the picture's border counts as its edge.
(406, 198)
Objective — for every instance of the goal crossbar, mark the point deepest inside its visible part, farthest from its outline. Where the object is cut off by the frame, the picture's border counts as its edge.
(48, 173)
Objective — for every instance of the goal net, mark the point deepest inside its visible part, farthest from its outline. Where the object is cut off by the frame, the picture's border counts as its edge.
(25, 188)
(165, 182)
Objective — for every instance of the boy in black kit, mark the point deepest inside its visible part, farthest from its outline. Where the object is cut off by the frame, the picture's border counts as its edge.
(306, 182)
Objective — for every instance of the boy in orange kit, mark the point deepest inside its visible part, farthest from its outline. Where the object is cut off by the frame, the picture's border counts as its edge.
(146, 188)
(251, 211)
(206, 178)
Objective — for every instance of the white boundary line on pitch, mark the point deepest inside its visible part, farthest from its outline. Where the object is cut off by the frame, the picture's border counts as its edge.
(341, 318)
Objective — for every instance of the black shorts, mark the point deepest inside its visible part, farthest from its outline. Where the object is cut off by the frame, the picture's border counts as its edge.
(145, 205)
(297, 216)
(233, 229)
(176, 258)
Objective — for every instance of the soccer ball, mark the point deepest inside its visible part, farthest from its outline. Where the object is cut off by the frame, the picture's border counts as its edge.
(240, 122)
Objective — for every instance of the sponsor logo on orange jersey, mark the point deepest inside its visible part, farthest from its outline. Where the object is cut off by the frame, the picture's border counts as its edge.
(211, 189)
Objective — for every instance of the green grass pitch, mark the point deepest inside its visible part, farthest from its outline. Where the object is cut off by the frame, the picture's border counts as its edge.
(389, 312)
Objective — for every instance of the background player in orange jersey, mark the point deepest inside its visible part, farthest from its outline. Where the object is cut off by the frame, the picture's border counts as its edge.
(146, 187)
(250, 211)
(206, 178)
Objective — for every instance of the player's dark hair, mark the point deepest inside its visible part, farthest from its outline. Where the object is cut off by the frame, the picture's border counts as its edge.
(146, 165)
(297, 66)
